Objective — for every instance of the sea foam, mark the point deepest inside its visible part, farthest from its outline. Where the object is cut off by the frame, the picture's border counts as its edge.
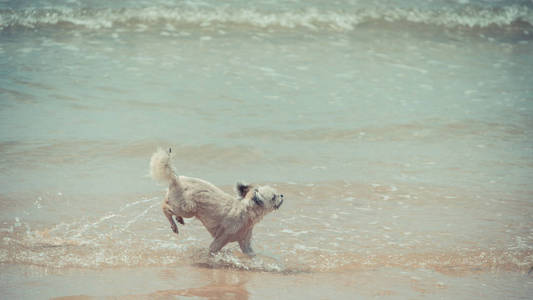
(310, 18)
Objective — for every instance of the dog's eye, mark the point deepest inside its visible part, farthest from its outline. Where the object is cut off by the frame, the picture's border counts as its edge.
(256, 199)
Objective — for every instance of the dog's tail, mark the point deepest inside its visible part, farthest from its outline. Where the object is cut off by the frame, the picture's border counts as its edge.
(160, 166)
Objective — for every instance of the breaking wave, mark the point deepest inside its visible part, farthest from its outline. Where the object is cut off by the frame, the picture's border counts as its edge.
(312, 18)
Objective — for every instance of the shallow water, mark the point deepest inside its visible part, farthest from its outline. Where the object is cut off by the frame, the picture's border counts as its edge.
(400, 133)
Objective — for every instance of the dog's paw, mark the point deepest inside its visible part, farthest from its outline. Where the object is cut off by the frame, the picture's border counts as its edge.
(180, 220)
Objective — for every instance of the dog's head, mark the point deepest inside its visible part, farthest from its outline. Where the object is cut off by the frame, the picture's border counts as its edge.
(262, 196)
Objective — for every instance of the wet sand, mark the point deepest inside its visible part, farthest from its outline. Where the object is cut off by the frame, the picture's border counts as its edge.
(194, 282)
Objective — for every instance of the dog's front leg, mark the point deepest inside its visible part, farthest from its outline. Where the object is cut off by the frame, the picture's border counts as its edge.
(246, 245)
(218, 243)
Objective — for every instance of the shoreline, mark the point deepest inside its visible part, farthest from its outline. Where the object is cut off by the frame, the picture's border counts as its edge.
(189, 281)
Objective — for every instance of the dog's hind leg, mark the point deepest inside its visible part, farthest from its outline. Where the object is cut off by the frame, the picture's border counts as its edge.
(169, 213)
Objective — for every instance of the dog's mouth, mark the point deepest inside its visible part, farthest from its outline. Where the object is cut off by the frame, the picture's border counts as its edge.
(279, 204)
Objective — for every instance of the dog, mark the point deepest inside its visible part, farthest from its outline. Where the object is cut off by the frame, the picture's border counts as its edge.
(227, 218)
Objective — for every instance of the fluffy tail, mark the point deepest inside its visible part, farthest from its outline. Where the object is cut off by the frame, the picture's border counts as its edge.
(160, 167)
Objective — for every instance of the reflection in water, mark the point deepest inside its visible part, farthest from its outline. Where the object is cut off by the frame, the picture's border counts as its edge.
(211, 291)
(222, 284)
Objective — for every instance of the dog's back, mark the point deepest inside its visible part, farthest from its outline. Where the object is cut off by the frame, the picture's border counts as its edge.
(212, 205)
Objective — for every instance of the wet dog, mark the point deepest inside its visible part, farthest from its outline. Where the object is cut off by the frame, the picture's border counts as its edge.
(227, 218)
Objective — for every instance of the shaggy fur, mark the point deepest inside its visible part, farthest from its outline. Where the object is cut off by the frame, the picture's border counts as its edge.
(227, 218)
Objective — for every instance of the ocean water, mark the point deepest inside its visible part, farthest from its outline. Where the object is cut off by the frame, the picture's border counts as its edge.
(399, 131)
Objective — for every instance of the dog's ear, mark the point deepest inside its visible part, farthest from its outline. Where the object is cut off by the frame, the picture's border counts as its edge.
(242, 188)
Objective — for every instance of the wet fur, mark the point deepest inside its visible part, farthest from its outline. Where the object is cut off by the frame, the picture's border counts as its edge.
(227, 218)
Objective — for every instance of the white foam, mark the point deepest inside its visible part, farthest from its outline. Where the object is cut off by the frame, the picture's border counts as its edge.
(295, 233)
(37, 203)
(311, 19)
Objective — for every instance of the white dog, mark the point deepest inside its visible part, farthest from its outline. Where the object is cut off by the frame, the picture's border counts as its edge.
(227, 218)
